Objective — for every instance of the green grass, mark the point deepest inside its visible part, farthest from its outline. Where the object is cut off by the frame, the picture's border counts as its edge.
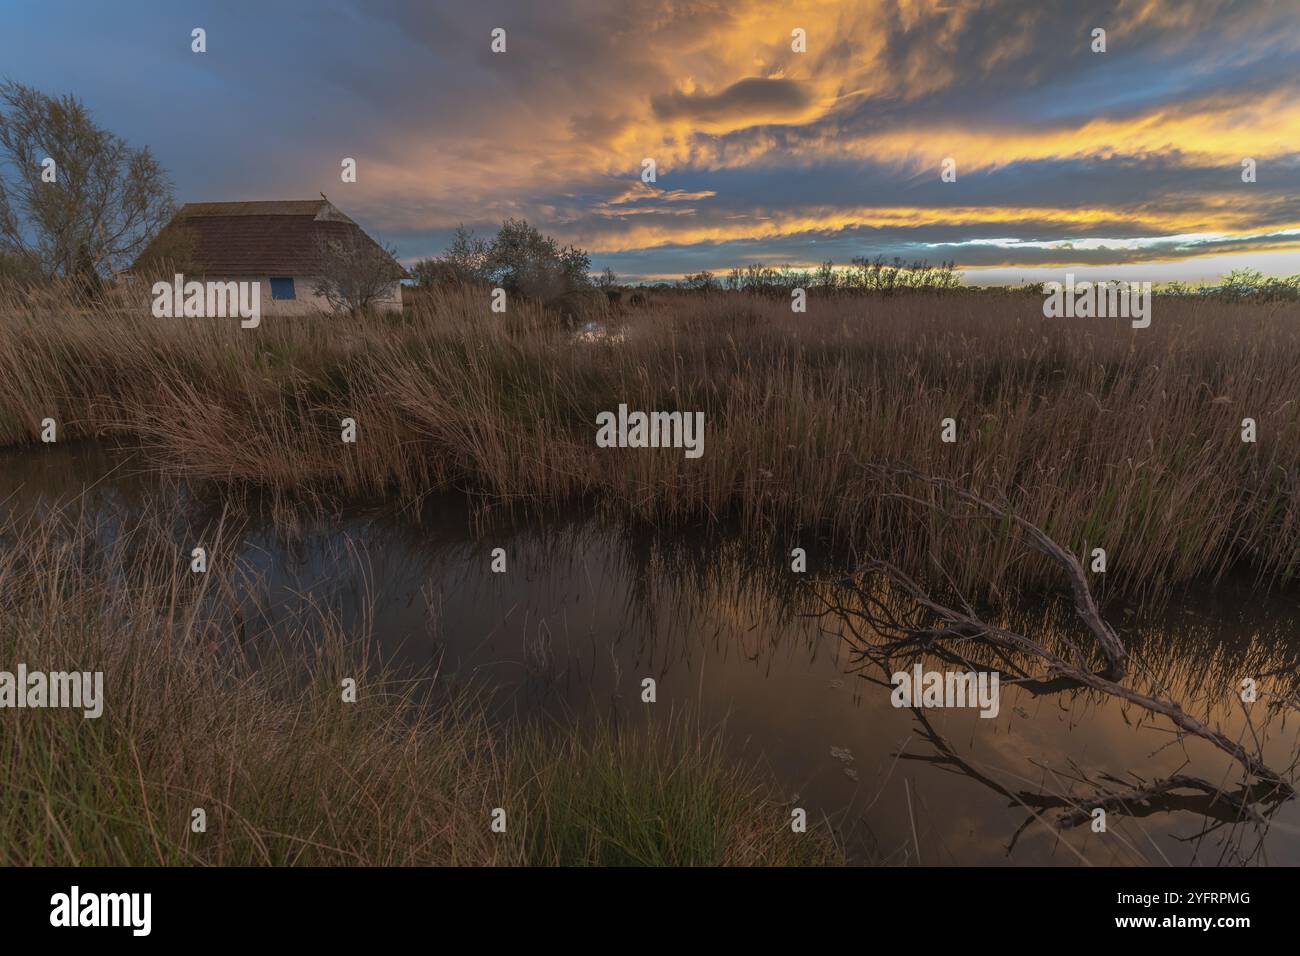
(668, 797)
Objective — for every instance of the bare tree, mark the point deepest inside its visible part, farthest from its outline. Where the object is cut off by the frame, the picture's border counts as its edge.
(355, 272)
(519, 259)
(91, 211)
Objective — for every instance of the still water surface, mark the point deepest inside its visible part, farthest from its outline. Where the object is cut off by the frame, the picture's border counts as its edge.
(589, 607)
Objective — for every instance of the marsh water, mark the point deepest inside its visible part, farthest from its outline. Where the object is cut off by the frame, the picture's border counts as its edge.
(589, 607)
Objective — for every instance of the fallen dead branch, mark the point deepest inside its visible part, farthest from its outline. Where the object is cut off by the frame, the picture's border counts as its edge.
(922, 622)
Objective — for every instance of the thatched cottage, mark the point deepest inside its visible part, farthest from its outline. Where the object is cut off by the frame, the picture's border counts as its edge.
(278, 243)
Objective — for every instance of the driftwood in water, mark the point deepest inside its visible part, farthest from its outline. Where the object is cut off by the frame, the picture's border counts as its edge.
(940, 627)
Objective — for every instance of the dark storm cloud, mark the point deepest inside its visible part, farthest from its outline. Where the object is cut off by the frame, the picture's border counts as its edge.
(746, 98)
(762, 152)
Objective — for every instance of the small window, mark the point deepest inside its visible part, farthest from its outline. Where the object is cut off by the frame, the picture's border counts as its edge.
(282, 288)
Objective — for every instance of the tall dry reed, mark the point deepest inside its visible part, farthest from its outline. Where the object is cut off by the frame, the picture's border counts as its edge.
(1103, 435)
(205, 710)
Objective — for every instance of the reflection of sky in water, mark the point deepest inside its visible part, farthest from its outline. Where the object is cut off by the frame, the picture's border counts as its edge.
(587, 609)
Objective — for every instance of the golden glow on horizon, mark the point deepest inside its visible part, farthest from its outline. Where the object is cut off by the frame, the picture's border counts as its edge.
(1223, 222)
(717, 90)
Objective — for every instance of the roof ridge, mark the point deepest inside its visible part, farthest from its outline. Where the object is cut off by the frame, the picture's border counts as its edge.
(256, 207)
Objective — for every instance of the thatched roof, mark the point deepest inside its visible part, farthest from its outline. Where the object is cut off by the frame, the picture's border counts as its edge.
(257, 238)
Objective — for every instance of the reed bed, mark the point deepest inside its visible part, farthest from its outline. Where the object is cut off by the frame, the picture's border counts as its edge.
(205, 709)
(1100, 434)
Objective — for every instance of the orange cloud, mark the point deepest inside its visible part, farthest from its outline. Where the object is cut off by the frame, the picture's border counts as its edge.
(711, 89)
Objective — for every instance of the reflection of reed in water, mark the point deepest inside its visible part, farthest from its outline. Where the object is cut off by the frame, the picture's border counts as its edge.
(682, 596)
(889, 620)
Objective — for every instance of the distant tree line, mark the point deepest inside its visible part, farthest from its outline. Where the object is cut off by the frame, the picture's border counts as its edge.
(862, 275)
(1248, 285)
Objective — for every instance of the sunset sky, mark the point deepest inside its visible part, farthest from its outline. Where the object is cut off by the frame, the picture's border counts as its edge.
(1128, 160)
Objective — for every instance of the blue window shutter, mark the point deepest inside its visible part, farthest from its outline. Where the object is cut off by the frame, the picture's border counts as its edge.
(282, 288)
